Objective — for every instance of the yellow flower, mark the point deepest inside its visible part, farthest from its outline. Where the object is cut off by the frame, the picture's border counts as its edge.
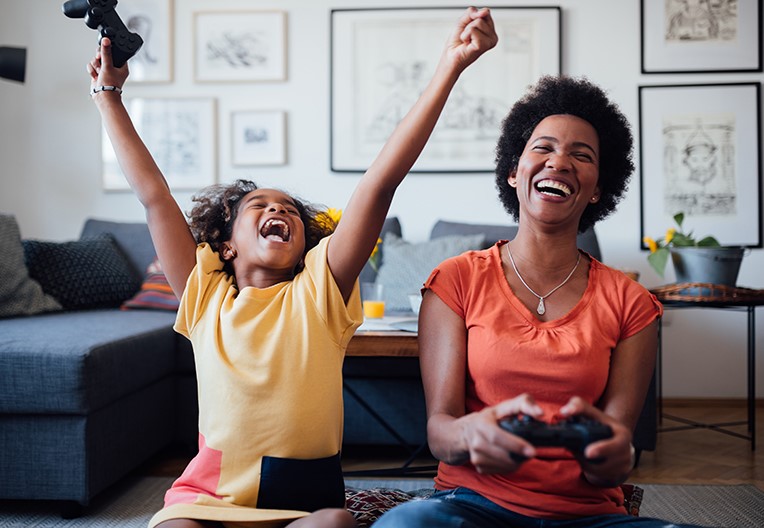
(334, 214)
(329, 218)
(650, 244)
(669, 235)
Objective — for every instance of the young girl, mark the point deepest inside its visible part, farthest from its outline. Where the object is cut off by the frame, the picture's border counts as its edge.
(270, 302)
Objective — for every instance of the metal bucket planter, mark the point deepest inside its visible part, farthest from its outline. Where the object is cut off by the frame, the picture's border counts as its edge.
(715, 265)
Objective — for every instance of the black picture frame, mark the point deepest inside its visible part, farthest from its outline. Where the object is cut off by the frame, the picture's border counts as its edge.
(725, 37)
(372, 86)
(699, 149)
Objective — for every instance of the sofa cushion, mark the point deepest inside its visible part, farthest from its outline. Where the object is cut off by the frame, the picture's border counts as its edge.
(133, 239)
(76, 362)
(155, 293)
(19, 293)
(406, 266)
(82, 274)
(391, 225)
(493, 233)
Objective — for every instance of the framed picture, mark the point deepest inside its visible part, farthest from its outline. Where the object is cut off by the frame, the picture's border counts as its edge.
(698, 36)
(240, 46)
(179, 133)
(258, 137)
(373, 86)
(700, 155)
(153, 21)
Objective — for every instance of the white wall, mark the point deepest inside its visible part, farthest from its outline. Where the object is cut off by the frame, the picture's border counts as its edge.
(50, 147)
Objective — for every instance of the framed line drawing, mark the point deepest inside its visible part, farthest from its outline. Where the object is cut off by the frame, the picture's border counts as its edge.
(700, 36)
(700, 155)
(373, 86)
(153, 21)
(258, 137)
(240, 46)
(179, 133)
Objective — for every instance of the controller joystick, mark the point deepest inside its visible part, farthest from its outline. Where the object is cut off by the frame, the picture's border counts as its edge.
(574, 433)
(102, 16)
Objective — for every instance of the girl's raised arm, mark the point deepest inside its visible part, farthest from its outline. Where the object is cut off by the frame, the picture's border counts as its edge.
(365, 213)
(173, 241)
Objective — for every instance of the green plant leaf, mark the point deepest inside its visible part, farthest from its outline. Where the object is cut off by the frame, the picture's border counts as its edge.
(709, 241)
(658, 260)
(679, 218)
(682, 240)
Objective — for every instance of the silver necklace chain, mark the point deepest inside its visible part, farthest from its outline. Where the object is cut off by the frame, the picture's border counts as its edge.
(541, 309)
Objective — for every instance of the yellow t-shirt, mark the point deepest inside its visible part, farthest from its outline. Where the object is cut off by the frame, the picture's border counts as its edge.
(269, 375)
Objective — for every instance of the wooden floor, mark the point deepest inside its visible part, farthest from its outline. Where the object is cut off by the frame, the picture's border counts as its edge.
(696, 456)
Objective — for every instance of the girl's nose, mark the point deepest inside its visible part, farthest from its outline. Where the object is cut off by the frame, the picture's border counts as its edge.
(277, 207)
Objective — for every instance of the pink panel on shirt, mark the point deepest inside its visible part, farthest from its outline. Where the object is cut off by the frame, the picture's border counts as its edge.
(201, 476)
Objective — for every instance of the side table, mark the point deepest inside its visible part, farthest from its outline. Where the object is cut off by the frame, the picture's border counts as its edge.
(705, 295)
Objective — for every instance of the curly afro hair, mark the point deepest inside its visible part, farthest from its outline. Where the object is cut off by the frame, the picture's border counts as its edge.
(216, 207)
(578, 97)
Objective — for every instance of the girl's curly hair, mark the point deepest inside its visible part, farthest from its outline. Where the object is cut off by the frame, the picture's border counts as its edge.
(581, 98)
(216, 207)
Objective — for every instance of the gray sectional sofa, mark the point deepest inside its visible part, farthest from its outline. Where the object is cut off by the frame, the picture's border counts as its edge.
(86, 396)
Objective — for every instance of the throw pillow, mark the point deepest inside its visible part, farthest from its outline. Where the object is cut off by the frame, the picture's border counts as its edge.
(155, 292)
(368, 505)
(82, 274)
(19, 294)
(406, 266)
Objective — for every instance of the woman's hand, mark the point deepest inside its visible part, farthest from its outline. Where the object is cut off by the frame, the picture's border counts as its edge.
(487, 446)
(474, 35)
(102, 71)
(606, 463)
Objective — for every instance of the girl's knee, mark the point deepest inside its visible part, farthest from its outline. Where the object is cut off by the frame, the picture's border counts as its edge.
(326, 518)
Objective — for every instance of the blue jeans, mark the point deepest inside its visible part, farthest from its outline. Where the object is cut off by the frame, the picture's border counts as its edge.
(463, 508)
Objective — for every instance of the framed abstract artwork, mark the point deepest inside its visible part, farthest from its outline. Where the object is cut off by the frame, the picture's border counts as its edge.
(700, 155)
(240, 46)
(153, 21)
(699, 36)
(373, 85)
(258, 137)
(181, 136)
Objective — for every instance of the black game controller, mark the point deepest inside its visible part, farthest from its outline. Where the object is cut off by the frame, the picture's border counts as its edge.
(102, 15)
(574, 433)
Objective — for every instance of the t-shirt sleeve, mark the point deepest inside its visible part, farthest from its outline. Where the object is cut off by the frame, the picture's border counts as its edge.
(205, 277)
(641, 309)
(445, 282)
(340, 318)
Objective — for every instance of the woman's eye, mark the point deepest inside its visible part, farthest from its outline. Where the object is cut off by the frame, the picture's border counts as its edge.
(584, 156)
(542, 148)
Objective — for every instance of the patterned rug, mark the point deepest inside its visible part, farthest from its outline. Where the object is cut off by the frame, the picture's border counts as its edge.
(132, 503)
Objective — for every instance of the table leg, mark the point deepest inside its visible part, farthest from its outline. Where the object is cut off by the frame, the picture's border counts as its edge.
(752, 375)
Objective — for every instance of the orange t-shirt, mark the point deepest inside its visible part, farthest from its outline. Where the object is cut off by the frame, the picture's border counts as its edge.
(511, 352)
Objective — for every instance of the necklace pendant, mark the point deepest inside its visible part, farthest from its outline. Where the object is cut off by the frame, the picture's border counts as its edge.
(541, 309)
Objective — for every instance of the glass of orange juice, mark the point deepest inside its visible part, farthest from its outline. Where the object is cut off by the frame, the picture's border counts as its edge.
(372, 295)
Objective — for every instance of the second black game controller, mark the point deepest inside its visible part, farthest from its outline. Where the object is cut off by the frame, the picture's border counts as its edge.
(102, 16)
(574, 433)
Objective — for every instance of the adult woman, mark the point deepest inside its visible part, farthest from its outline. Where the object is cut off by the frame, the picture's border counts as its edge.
(536, 327)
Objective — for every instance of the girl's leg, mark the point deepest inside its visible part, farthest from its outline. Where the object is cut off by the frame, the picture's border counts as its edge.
(326, 518)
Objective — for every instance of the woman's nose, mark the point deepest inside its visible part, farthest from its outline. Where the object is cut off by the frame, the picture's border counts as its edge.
(558, 161)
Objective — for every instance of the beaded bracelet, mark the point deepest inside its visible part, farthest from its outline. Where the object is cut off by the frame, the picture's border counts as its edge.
(97, 89)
